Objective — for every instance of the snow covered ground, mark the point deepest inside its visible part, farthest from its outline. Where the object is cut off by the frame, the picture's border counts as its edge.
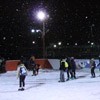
(45, 86)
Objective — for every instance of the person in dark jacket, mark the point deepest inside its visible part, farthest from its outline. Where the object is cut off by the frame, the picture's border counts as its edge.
(92, 66)
(38, 66)
(33, 65)
(73, 67)
(62, 69)
(69, 71)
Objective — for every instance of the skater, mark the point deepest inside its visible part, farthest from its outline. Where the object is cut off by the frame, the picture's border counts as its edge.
(98, 65)
(92, 66)
(38, 66)
(33, 65)
(69, 70)
(62, 69)
(66, 66)
(73, 67)
(21, 74)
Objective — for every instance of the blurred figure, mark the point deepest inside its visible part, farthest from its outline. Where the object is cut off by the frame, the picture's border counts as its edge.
(66, 70)
(62, 69)
(2, 65)
(69, 69)
(98, 65)
(21, 74)
(92, 66)
(33, 65)
(38, 66)
(73, 67)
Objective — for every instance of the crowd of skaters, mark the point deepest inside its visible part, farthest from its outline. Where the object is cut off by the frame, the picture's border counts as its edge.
(67, 65)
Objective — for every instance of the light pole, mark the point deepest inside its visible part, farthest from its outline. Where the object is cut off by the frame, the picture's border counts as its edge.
(91, 38)
(42, 16)
(43, 38)
(92, 32)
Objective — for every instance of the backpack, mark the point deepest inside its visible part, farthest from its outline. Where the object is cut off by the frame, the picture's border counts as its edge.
(23, 71)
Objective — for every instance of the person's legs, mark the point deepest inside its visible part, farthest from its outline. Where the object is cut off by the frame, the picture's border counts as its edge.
(71, 73)
(23, 80)
(67, 74)
(74, 73)
(93, 72)
(20, 82)
(34, 71)
(62, 78)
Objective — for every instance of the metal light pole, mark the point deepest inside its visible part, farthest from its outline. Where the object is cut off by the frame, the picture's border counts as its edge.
(92, 32)
(91, 38)
(43, 39)
(42, 16)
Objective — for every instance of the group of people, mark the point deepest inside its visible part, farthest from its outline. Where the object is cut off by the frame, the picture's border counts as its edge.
(67, 65)
(22, 72)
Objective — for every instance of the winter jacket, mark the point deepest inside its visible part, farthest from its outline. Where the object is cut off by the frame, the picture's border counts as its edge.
(92, 64)
(19, 68)
(73, 64)
(62, 65)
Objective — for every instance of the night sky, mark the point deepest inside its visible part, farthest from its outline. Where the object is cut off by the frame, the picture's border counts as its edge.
(70, 21)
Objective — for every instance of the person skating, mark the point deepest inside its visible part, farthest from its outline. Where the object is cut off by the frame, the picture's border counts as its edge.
(21, 74)
(69, 71)
(62, 69)
(92, 66)
(33, 65)
(73, 67)
(37, 68)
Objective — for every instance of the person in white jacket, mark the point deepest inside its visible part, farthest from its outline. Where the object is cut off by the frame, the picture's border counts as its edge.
(21, 74)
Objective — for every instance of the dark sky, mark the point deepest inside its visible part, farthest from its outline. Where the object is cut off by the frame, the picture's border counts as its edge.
(70, 21)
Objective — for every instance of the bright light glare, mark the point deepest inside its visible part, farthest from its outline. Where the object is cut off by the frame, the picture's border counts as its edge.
(75, 43)
(59, 43)
(38, 31)
(54, 45)
(32, 30)
(92, 43)
(33, 42)
(41, 15)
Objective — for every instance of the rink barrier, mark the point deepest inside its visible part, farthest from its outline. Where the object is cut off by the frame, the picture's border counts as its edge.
(49, 64)
(11, 65)
(44, 63)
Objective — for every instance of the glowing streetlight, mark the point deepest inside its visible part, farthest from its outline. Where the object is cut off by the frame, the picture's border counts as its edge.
(33, 42)
(54, 45)
(32, 30)
(42, 16)
(59, 43)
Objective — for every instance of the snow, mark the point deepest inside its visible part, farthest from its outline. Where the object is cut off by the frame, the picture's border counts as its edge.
(45, 86)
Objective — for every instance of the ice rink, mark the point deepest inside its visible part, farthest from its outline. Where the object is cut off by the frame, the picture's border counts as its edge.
(45, 86)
